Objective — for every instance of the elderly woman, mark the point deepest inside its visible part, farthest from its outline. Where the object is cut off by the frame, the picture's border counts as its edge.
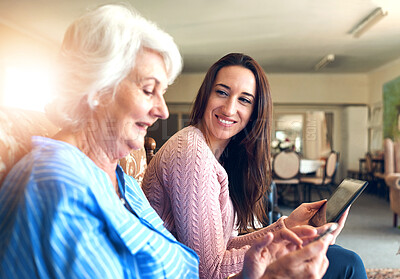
(67, 209)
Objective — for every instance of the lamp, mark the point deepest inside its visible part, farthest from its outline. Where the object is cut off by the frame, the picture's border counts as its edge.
(324, 62)
(368, 22)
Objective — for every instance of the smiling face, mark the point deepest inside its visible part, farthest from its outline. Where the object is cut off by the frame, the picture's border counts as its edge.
(138, 103)
(229, 106)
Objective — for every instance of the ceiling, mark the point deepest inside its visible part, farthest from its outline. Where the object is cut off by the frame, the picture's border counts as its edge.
(286, 36)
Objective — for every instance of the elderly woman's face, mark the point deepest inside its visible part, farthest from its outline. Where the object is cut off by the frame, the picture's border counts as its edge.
(139, 102)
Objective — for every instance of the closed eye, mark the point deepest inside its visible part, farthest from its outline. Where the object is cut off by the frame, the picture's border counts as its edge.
(148, 91)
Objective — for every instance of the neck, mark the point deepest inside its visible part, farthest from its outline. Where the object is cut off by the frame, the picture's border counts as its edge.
(91, 146)
(217, 146)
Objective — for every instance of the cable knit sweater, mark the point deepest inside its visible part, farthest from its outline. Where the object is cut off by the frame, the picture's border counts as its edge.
(188, 188)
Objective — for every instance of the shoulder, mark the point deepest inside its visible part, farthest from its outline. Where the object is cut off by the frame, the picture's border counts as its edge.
(54, 179)
(182, 157)
(55, 166)
(186, 143)
(62, 162)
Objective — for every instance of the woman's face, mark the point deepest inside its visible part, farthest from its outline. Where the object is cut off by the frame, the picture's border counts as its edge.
(139, 102)
(230, 104)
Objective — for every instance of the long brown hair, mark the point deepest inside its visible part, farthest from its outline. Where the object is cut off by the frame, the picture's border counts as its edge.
(247, 158)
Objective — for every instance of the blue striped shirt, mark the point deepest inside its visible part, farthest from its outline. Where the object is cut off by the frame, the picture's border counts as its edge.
(61, 218)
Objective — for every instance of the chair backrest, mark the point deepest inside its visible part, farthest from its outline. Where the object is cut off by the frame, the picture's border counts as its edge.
(389, 156)
(17, 126)
(135, 164)
(286, 165)
(396, 156)
(368, 163)
(331, 165)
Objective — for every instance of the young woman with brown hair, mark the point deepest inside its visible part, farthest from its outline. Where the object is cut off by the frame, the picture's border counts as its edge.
(228, 140)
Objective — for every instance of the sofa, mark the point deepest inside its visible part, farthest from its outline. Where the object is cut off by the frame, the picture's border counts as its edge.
(17, 126)
(392, 175)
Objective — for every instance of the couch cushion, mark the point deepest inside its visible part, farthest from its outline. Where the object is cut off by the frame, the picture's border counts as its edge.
(17, 126)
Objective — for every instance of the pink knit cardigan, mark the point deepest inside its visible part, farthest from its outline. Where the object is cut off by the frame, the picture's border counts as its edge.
(188, 188)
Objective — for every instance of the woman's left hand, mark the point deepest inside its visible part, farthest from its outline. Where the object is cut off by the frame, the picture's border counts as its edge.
(257, 258)
(302, 214)
(273, 247)
(287, 240)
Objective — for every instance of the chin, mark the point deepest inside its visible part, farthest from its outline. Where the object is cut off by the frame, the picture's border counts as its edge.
(225, 136)
(135, 144)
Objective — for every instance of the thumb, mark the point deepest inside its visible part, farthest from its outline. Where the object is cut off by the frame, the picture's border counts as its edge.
(316, 205)
(260, 245)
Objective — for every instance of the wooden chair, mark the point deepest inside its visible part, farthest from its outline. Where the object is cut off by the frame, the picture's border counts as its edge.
(375, 176)
(286, 175)
(324, 182)
(135, 164)
(17, 126)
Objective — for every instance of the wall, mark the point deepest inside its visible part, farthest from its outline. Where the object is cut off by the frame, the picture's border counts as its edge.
(380, 76)
(354, 136)
(319, 88)
(377, 78)
(300, 93)
(22, 50)
(290, 88)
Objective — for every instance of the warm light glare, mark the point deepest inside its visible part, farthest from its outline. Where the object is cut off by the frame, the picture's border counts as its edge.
(27, 88)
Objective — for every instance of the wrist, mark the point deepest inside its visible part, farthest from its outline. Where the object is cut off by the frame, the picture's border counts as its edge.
(284, 221)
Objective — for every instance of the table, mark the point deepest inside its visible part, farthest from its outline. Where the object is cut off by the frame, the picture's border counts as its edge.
(378, 165)
(310, 166)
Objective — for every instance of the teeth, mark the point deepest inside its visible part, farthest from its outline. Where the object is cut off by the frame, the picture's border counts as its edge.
(225, 121)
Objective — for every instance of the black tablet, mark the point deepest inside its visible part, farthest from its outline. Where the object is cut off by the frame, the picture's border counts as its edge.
(345, 194)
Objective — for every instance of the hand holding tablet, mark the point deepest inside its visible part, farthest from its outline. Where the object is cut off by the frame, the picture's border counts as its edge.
(345, 194)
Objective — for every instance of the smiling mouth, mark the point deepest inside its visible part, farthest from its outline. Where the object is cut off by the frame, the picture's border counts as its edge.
(224, 121)
(142, 125)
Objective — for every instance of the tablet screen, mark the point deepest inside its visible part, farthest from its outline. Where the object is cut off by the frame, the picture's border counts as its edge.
(344, 195)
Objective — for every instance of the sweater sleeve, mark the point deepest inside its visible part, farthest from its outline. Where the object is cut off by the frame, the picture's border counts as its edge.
(198, 193)
(250, 238)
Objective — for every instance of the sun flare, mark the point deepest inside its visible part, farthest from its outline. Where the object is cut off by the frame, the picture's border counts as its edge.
(27, 87)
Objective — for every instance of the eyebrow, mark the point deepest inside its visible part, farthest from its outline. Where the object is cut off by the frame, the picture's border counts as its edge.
(157, 83)
(227, 87)
(152, 78)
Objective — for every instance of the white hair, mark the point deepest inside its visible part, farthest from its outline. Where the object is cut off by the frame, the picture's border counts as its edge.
(98, 52)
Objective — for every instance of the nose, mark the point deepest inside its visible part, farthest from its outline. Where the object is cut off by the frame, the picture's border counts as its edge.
(160, 109)
(229, 108)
